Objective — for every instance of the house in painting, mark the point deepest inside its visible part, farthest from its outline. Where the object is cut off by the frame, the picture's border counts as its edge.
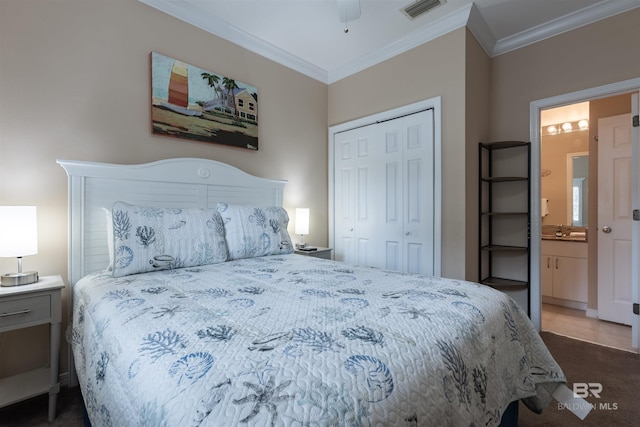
(246, 105)
(239, 102)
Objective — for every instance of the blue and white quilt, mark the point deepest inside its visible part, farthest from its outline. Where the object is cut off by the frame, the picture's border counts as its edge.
(289, 340)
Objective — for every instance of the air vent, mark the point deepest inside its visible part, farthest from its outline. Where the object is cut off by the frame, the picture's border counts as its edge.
(419, 7)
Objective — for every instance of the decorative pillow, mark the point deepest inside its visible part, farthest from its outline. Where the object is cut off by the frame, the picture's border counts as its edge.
(253, 231)
(150, 239)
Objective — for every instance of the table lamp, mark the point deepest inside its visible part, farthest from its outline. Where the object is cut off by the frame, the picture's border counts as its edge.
(302, 225)
(18, 238)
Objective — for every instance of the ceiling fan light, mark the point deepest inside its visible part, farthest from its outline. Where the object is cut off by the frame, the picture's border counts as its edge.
(349, 10)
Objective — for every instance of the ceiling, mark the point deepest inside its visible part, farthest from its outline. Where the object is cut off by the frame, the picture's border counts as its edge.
(308, 35)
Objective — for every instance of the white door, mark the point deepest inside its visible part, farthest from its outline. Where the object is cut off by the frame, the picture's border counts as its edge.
(615, 169)
(418, 192)
(346, 183)
(384, 194)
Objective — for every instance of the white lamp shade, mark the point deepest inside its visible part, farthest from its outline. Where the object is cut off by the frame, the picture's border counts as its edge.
(302, 221)
(18, 231)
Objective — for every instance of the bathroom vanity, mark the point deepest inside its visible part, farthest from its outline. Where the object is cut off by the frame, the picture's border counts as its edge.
(563, 265)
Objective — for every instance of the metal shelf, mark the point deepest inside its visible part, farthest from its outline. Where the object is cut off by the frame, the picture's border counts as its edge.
(504, 241)
(502, 283)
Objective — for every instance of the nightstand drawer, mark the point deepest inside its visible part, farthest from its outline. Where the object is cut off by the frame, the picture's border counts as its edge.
(25, 310)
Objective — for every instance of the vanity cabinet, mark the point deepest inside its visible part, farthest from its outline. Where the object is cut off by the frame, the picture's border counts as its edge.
(504, 218)
(564, 272)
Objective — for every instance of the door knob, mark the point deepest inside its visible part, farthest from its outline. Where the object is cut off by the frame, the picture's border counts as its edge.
(406, 233)
(606, 229)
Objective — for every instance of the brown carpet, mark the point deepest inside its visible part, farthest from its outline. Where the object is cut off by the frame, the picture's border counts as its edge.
(618, 371)
(34, 412)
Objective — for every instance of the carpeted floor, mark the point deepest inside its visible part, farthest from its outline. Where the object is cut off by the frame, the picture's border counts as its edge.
(33, 412)
(618, 371)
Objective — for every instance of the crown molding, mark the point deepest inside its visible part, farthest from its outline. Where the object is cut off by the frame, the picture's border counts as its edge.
(563, 24)
(480, 29)
(466, 16)
(190, 14)
(416, 38)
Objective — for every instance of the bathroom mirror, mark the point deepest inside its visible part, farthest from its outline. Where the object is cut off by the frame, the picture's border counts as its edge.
(577, 188)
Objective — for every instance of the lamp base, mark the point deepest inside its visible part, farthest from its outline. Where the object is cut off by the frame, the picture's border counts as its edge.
(301, 245)
(17, 279)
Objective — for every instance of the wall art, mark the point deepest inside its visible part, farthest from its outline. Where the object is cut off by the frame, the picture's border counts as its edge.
(188, 102)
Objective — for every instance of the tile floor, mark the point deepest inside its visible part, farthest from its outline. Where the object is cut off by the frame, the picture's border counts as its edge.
(574, 323)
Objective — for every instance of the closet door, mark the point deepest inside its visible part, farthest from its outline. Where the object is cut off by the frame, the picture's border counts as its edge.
(418, 193)
(354, 172)
(383, 194)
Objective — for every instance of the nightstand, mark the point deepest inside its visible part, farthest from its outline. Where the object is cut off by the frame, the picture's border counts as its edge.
(318, 253)
(22, 307)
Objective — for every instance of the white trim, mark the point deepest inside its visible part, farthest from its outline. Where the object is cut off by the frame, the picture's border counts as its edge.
(563, 24)
(468, 15)
(481, 30)
(635, 225)
(592, 313)
(535, 107)
(434, 103)
(190, 13)
(438, 28)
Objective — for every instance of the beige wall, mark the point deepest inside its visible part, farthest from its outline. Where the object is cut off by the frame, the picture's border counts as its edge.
(598, 54)
(75, 84)
(477, 99)
(433, 69)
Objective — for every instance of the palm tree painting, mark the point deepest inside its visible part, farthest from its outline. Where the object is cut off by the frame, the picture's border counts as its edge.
(188, 102)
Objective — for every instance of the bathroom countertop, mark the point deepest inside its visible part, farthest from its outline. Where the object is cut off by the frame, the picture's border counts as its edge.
(581, 239)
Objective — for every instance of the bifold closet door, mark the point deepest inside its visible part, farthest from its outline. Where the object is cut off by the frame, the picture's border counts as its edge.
(384, 193)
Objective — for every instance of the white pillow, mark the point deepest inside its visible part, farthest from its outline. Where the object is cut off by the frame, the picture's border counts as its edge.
(149, 239)
(253, 231)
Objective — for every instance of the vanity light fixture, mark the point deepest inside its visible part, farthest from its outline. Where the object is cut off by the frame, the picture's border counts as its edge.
(566, 127)
(583, 124)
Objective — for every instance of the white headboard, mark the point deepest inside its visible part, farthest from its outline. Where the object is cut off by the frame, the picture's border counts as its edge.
(181, 182)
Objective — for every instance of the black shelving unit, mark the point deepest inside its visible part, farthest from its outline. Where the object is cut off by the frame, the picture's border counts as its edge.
(505, 216)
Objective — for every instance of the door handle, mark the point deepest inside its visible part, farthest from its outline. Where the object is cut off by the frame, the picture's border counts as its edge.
(606, 229)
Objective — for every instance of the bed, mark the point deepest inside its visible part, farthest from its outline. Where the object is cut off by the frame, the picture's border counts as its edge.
(234, 329)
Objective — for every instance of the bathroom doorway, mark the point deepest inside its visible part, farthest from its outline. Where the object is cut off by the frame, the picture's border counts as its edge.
(568, 219)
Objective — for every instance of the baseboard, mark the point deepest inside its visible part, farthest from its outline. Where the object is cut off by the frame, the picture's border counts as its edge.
(593, 313)
(564, 303)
